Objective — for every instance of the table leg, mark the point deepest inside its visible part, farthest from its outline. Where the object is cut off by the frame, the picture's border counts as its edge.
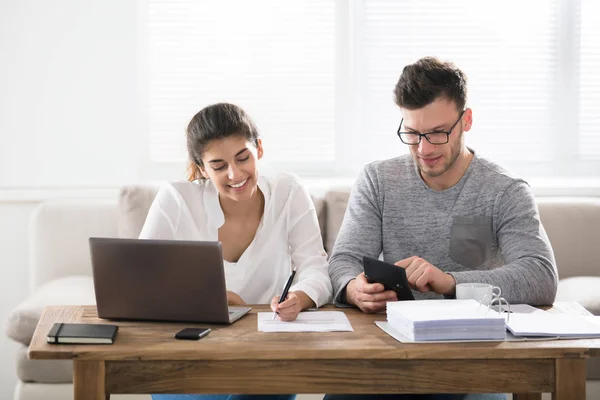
(527, 396)
(89, 379)
(569, 379)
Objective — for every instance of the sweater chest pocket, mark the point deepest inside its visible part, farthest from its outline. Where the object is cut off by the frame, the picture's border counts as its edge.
(471, 240)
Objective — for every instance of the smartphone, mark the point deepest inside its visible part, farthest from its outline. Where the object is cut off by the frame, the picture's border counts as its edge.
(192, 333)
(390, 276)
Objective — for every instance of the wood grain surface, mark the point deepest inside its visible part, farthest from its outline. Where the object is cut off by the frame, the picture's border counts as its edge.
(138, 340)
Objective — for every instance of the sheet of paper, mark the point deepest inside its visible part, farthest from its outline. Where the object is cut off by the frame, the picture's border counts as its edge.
(548, 324)
(312, 321)
(594, 320)
(525, 309)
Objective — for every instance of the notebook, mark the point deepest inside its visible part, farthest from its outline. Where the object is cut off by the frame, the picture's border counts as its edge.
(445, 320)
(82, 333)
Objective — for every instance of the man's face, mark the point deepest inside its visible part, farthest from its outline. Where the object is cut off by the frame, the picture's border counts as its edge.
(434, 160)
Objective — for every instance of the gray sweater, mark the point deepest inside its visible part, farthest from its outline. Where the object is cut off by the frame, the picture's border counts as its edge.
(486, 228)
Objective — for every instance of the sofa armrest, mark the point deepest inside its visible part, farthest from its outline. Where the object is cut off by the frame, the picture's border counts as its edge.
(581, 289)
(72, 290)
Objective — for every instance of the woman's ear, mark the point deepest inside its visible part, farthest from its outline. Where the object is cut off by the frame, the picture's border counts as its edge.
(202, 171)
(259, 148)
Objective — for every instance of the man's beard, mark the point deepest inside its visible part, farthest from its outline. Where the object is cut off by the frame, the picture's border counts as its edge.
(454, 154)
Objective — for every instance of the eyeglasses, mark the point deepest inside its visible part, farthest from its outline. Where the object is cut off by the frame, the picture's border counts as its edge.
(438, 137)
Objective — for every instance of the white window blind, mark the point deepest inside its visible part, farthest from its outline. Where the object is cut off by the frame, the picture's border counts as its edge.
(509, 57)
(318, 77)
(589, 83)
(274, 59)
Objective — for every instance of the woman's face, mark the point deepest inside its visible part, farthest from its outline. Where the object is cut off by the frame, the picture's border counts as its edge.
(231, 164)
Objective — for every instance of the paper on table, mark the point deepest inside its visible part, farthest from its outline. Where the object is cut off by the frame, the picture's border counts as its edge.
(548, 324)
(314, 321)
(593, 319)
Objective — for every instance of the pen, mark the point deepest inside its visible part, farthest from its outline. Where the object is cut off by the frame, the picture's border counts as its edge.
(285, 291)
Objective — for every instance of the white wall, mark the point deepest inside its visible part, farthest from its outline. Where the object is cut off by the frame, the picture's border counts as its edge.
(69, 103)
(69, 117)
(14, 282)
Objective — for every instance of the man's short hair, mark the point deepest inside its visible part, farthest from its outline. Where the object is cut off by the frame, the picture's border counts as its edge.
(428, 79)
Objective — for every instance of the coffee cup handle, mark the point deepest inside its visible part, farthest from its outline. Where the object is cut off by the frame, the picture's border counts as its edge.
(496, 291)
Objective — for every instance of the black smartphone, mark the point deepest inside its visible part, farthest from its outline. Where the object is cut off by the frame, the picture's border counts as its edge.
(390, 276)
(192, 333)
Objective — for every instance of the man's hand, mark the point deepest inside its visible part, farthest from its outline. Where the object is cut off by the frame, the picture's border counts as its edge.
(233, 299)
(425, 277)
(289, 309)
(369, 297)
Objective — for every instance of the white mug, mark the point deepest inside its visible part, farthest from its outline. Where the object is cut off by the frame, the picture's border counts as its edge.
(477, 291)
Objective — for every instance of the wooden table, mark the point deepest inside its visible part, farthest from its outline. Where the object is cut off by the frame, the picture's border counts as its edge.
(238, 359)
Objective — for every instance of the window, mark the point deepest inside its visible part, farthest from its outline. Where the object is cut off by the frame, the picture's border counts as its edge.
(589, 82)
(274, 59)
(318, 77)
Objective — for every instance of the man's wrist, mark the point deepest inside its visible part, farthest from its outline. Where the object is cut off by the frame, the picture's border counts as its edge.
(344, 294)
(451, 285)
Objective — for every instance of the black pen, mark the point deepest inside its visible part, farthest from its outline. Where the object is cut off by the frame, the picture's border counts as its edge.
(285, 290)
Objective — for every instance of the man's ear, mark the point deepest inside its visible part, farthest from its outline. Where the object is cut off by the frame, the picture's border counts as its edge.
(467, 120)
(259, 148)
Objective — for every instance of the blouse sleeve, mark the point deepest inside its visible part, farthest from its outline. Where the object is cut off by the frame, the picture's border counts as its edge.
(306, 246)
(163, 216)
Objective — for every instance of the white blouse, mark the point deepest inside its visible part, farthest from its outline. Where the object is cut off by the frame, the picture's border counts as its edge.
(288, 234)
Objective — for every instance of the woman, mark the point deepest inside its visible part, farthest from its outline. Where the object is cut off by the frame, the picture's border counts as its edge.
(266, 226)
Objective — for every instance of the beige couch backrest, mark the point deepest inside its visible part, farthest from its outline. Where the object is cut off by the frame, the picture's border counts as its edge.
(573, 226)
(60, 230)
(58, 238)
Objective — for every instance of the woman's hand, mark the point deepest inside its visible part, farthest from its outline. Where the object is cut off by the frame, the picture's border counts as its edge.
(289, 309)
(233, 299)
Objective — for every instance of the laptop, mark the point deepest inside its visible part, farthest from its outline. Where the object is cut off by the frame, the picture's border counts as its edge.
(161, 280)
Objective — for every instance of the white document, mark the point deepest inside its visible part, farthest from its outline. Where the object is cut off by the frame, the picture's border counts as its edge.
(547, 324)
(593, 319)
(311, 321)
(526, 309)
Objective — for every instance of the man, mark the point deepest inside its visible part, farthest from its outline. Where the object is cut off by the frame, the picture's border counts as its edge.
(442, 213)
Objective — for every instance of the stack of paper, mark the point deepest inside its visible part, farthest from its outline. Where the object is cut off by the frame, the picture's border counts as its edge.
(440, 320)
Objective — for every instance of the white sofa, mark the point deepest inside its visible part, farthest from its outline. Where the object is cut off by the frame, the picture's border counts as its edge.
(61, 273)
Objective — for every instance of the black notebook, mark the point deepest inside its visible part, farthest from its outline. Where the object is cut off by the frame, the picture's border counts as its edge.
(82, 333)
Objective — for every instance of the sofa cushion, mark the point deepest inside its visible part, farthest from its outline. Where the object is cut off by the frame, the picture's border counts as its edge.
(73, 290)
(581, 289)
(133, 203)
(572, 227)
(336, 203)
(43, 371)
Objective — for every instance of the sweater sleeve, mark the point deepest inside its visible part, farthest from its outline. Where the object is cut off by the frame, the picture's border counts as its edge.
(359, 235)
(529, 275)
